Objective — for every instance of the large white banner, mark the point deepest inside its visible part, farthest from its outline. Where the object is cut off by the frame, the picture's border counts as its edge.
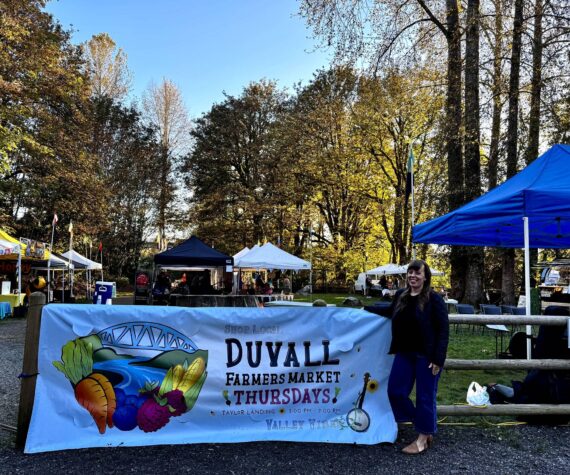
(126, 375)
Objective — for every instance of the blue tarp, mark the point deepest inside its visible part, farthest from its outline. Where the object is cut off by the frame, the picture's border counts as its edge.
(540, 192)
(193, 253)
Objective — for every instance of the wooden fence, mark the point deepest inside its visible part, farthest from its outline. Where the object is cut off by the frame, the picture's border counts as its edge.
(544, 364)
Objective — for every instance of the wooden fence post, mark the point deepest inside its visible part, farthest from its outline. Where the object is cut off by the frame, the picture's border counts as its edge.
(29, 366)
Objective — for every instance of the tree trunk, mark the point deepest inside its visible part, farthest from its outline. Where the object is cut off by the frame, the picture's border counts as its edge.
(474, 277)
(508, 278)
(163, 198)
(535, 94)
(453, 136)
(536, 86)
(507, 285)
(497, 97)
(514, 81)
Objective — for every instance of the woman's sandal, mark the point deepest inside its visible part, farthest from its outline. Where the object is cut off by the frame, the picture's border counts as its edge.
(415, 449)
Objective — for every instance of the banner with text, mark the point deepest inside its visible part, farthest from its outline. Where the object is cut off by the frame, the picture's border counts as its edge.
(126, 375)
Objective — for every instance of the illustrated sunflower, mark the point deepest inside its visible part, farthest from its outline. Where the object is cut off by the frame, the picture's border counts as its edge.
(372, 386)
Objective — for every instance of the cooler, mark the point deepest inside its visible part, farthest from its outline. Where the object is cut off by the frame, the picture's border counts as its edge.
(104, 293)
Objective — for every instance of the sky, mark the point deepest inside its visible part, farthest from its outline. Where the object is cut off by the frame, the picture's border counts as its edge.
(205, 46)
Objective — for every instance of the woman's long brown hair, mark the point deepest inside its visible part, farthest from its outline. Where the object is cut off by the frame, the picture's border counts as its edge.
(423, 297)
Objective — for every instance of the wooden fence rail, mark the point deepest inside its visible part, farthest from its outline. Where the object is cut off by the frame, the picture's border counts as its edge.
(550, 320)
(507, 409)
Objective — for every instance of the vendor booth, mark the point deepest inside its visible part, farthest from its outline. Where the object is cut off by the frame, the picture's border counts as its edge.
(197, 268)
(267, 257)
(529, 210)
(16, 260)
(81, 262)
(54, 265)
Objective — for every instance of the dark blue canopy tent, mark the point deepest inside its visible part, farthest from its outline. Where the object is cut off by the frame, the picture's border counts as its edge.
(193, 253)
(531, 209)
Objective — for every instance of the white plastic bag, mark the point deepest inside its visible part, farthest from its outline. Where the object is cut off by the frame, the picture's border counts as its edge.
(477, 395)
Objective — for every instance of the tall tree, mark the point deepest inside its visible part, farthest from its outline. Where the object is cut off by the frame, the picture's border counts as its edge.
(44, 107)
(166, 113)
(107, 67)
(236, 171)
(474, 274)
(128, 154)
(396, 26)
(508, 275)
(496, 39)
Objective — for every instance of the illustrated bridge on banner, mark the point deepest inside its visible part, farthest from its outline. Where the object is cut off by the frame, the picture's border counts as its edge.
(147, 336)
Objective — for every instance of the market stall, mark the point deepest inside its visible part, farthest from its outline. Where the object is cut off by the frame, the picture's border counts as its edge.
(198, 270)
(269, 257)
(16, 259)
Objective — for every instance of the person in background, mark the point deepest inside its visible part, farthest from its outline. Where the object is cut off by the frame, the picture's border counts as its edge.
(367, 285)
(420, 335)
(287, 285)
(36, 285)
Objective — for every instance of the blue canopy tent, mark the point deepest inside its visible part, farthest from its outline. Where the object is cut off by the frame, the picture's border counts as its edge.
(531, 209)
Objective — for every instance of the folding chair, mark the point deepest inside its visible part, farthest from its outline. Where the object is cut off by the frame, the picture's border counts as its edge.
(500, 330)
(465, 309)
(512, 310)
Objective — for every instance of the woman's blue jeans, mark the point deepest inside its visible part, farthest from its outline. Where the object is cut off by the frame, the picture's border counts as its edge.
(407, 369)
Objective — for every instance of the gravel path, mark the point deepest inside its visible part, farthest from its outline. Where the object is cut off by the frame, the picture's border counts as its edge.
(505, 450)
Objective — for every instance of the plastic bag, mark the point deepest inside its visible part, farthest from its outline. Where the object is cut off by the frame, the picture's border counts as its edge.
(477, 395)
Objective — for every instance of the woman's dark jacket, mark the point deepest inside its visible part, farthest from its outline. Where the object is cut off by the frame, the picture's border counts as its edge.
(433, 322)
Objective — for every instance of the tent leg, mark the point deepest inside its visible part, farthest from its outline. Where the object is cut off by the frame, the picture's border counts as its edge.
(527, 286)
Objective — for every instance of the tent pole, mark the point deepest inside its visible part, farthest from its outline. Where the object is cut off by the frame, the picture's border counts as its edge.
(19, 270)
(527, 286)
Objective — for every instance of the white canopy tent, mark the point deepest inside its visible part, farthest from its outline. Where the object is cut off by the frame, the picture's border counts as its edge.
(271, 257)
(81, 262)
(58, 263)
(388, 269)
(236, 277)
(395, 269)
(241, 253)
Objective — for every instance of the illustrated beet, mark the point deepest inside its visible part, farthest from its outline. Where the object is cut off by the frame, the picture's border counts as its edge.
(152, 416)
(176, 401)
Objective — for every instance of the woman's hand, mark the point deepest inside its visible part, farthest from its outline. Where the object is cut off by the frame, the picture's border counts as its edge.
(435, 369)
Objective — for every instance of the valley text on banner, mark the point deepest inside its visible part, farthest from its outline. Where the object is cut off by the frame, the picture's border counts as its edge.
(111, 376)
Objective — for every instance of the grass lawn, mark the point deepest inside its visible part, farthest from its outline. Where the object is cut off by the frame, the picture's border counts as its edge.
(464, 343)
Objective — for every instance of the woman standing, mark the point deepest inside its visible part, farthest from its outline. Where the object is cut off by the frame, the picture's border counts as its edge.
(420, 334)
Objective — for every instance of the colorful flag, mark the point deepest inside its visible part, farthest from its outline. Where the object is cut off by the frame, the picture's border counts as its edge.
(55, 219)
(409, 174)
(100, 246)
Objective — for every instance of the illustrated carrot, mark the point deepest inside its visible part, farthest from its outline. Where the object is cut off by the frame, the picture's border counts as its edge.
(92, 390)
(90, 394)
(109, 394)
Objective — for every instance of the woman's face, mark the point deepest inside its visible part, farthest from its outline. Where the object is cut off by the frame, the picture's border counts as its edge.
(416, 279)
